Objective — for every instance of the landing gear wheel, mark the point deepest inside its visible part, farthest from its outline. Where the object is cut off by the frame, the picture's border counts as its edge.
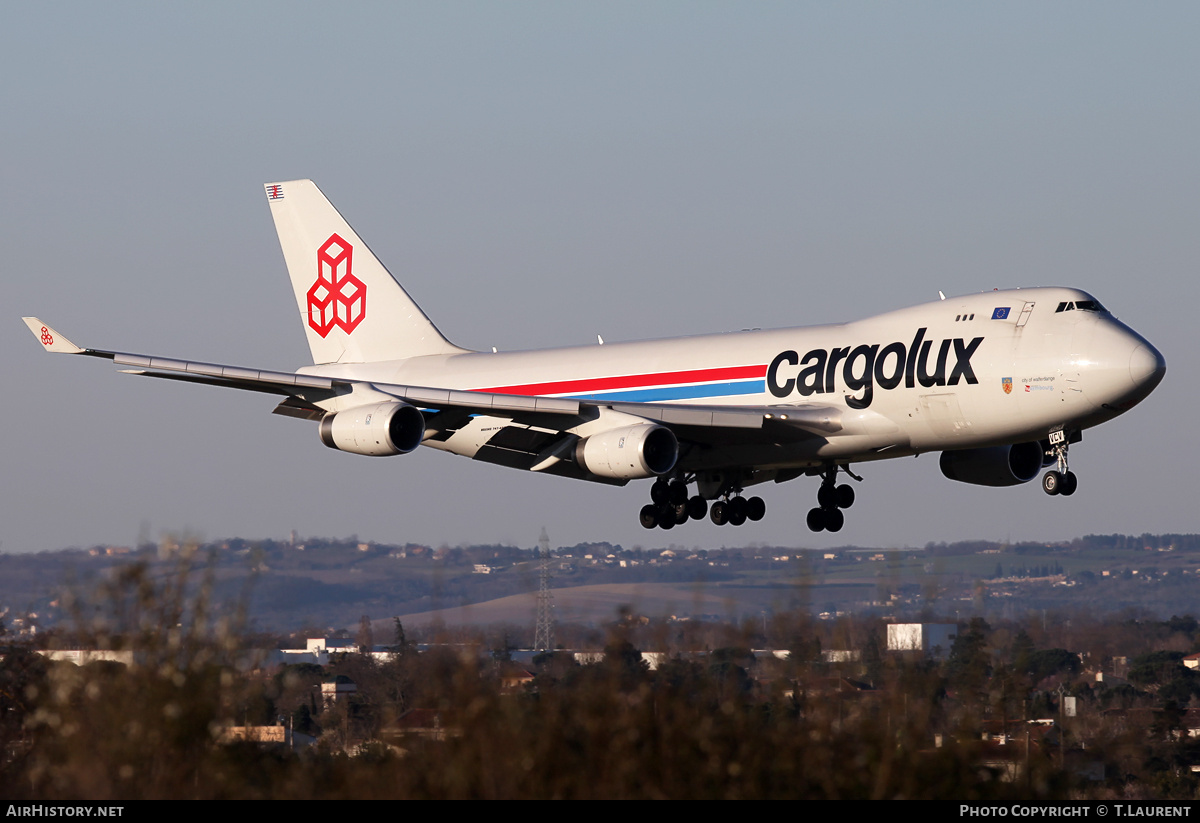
(697, 507)
(719, 513)
(737, 511)
(681, 513)
(816, 519)
(648, 516)
(845, 496)
(755, 509)
(834, 520)
(826, 496)
(1070, 483)
(660, 491)
(677, 492)
(666, 516)
(1052, 482)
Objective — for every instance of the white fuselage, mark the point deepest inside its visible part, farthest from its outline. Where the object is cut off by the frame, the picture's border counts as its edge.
(986, 369)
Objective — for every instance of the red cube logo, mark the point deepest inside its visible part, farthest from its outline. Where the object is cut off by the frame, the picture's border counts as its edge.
(337, 298)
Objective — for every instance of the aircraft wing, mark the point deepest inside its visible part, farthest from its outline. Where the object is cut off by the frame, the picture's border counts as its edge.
(313, 396)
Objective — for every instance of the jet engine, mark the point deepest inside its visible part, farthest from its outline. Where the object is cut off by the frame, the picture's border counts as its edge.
(376, 430)
(630, 452)
(994, 466)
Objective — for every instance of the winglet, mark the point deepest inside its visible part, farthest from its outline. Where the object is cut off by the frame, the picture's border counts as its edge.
(50, 339)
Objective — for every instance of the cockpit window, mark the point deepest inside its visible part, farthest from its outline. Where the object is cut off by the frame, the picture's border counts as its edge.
(1082, 305)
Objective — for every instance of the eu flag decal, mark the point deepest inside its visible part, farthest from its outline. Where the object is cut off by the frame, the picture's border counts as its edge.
(1001, 314)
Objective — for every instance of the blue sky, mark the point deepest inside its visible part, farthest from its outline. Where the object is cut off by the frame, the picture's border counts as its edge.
(538, 173)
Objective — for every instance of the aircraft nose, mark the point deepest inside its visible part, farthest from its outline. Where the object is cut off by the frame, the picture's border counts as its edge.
(1147, 367)
(1122, 367)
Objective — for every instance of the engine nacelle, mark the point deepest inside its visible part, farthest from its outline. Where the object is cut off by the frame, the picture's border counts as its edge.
(630, 452)
(995, 466)
(376, 430)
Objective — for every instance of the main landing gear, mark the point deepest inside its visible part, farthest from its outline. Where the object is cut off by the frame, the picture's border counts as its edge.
(831, 499)
(1059, 480)
(672, 507)
(737, 510)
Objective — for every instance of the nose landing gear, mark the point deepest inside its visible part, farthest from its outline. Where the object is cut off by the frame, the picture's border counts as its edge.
(1059, 480)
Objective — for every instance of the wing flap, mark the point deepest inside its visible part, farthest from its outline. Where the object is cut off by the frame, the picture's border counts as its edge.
(820, 420)
(235, 375)
(692, 415)
(292, 407)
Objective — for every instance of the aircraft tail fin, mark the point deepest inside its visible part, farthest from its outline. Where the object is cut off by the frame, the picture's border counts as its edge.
(353, 310)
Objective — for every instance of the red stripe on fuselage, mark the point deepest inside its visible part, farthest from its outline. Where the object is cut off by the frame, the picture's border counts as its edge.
(631, 381)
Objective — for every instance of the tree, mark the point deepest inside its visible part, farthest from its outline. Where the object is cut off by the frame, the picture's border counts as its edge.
(624, 661)
(400, 644)
(1049, 662)
(365, 637)
(873, 658)
(1022, 651)
(397, 671)
(969, 666)
(1157, 668)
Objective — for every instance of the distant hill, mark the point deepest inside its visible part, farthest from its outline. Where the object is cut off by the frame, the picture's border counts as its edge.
(321, 584)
